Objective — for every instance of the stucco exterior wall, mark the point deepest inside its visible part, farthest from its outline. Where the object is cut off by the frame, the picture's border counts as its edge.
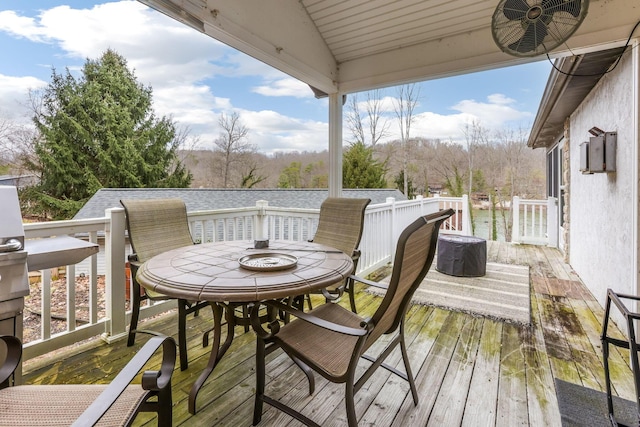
(602, 204)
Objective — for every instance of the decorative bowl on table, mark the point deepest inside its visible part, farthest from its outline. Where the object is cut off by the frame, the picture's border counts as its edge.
(269, 261)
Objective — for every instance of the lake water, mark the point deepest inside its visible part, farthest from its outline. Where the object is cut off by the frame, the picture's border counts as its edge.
(482, 219)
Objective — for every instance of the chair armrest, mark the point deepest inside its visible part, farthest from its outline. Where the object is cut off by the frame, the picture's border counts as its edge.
(369, 282)
(14, 353)
(336, 327)
(151, 380)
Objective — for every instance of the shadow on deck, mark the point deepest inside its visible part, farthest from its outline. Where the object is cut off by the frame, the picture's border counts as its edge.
(469, 370)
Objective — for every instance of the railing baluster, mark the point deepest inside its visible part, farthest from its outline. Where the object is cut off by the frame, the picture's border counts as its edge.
(71, 297)
(45, 304)
(93, 282)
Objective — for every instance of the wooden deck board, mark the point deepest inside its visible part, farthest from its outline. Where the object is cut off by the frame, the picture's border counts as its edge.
(512, 390)
(452, 397)
(480, 408)
(469, 371)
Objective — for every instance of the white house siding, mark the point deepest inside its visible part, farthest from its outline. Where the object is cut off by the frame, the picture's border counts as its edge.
(602, 205)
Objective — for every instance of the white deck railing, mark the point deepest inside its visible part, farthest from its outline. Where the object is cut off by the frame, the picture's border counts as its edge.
(535, 221)
(383, 224)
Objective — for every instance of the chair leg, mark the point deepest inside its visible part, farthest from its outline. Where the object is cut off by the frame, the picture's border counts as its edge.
(308, 372)
(352, 295)
(182, 333)
(352, 419)
(260, 380)
(136, 300)
(407, 366)
(165, 407)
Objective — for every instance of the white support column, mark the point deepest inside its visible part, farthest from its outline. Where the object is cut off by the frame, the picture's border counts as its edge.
(335, 144)
(636, 156)
(466, 216)
(115, 275)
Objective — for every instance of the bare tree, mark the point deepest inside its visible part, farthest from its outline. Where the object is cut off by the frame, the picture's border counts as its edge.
(405, 102)
(232, 144)
(475, 135)
(17, 152)
(373, 118)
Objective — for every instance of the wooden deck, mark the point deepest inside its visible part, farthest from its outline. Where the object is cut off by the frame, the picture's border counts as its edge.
(470, 371)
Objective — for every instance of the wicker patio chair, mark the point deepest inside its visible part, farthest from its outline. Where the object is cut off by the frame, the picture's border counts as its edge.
(114, 404)
(156, 226)
(340, 226)
(330, 339)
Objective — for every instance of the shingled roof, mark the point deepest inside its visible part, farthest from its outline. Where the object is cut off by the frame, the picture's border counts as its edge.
(201, 199)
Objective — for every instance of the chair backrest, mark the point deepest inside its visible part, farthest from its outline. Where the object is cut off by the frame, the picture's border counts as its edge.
(341, 222)
(156, 226)
(414, 255)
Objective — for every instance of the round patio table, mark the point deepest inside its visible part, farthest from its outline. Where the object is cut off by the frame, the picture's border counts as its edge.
(213, 272)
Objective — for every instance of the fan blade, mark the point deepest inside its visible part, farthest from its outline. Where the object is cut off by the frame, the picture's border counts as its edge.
(515, 9)
(572, 6)
(532, 38)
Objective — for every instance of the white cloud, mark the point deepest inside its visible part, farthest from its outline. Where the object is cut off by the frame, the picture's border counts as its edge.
(182, 65)
(285, 87)
(498, 112)
(272, 131)
(14, 96)
(21, 26)
(439, 126)
(170, 57)
(495, 113)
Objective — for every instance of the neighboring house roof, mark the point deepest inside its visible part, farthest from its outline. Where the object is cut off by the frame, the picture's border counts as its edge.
(564, 93)
(17, 180)
(198, 199)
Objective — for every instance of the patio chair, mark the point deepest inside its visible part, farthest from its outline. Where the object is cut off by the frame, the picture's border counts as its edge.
(330, 339)
(340, 226)
(114, 404)
(156, 226)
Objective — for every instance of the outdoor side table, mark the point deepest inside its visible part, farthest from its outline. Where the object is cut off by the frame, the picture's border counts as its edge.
(462, 256)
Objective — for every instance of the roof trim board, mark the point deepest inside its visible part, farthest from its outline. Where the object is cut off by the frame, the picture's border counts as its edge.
(564, 93)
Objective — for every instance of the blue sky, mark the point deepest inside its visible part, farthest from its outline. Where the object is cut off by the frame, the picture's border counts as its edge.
(195, 78)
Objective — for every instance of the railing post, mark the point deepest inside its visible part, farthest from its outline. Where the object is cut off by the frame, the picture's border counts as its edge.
(260, 220)
(515, 215)
(466, 218)
(391, 201)
(114, 275)
(552, 222)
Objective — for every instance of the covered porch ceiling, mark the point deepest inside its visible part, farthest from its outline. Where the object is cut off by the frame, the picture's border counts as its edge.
(345, 46)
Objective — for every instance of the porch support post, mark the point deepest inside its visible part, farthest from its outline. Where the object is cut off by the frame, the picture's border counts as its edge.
(335, 144)
(636, 156)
